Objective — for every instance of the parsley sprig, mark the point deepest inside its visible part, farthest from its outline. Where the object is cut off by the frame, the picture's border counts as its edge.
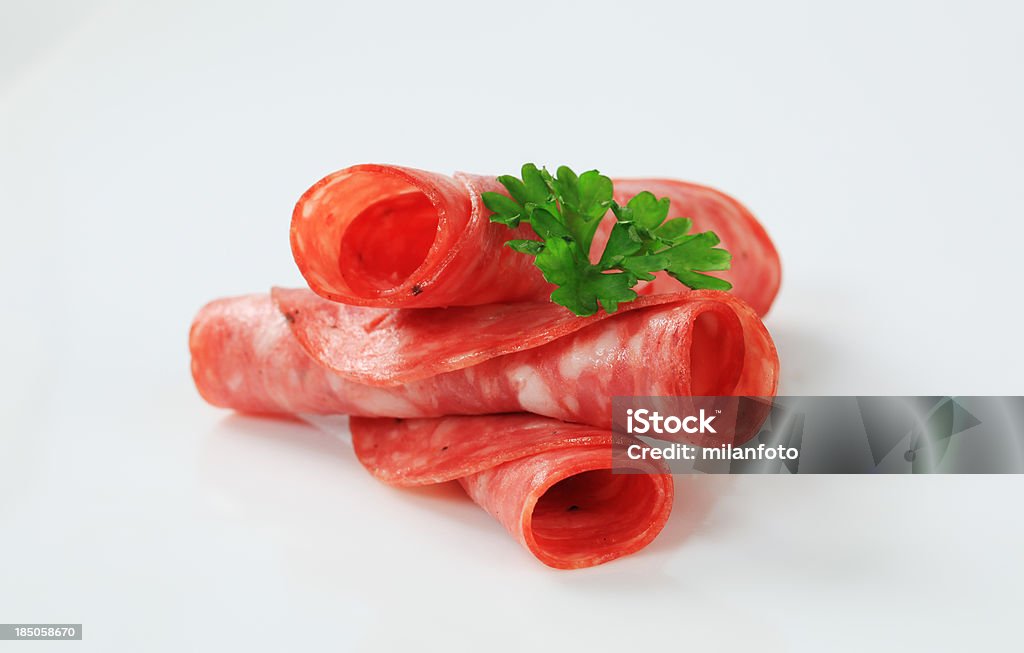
(565, 210)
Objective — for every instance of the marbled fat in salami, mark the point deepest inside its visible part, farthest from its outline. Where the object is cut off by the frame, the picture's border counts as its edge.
(246, 356)
(386, 236)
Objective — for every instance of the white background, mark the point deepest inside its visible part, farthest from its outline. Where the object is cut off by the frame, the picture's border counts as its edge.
(150, 155)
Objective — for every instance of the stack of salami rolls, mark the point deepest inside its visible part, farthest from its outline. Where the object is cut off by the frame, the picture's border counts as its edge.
(443, 346)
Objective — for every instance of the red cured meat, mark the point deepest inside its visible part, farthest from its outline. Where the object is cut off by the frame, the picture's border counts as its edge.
(506, 393)
(376, 235)
(246, 356)
(549, 483)
(385, 347)
(385, 236)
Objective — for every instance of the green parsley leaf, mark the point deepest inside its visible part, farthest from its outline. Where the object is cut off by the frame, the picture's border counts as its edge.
(505, 210)
(648, 211)
(699, 281)
(531, 247)
(674, 229)
(536, 188)
(623, 241)
(568, 186)
(595, 194)
(642, 266)
(698, 253)
(558, 262)
(565, 211)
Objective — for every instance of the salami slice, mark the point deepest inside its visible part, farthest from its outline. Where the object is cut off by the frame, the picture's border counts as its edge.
(547, 482)
(377, 235)
(385, 236)
(385, 347)
(246, 356)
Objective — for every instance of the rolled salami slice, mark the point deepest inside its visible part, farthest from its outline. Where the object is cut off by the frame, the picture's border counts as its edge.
(378, 235)
(386, 236)
(548, 483)
(386, 347)
(246, 356)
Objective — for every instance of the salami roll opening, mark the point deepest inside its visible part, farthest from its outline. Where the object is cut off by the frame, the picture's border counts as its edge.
(716, 351)
(592, 514)
(387, 241)
(569, 509)
(362, 232)
(377, 235)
